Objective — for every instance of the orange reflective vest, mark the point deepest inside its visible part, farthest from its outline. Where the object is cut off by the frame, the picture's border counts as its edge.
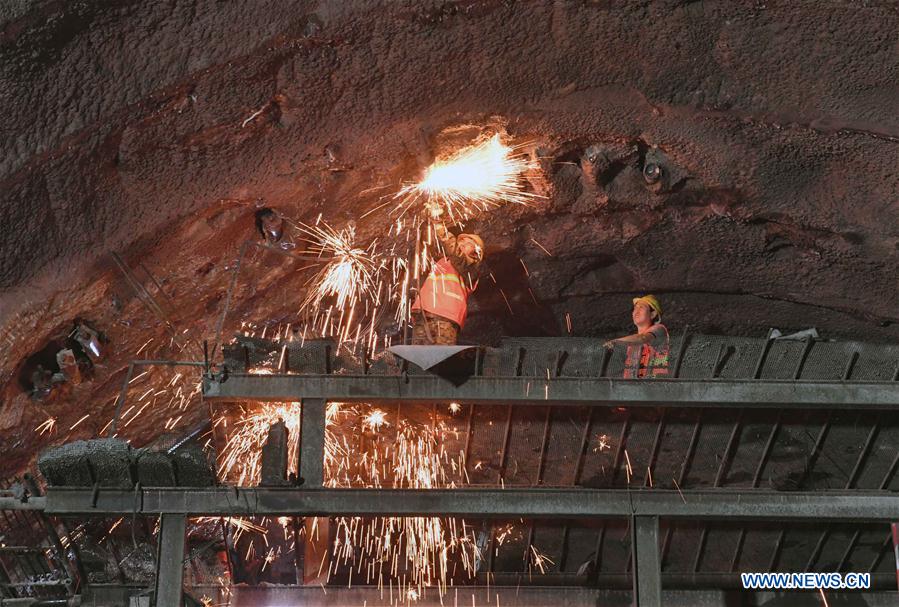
(648, 359)
(444, 294)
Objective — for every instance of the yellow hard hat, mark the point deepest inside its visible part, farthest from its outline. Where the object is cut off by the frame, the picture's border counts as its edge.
(475, 239)
(651, 301)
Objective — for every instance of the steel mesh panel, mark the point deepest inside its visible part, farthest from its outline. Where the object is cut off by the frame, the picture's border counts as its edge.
(758, 546)
(487, 429)
(883, 563)
(793, 445)
(580, 548)
(500, 362)
(602, 447)
(548, 540)
(617, 359)
(638, 448)
(714, 434)
(700, 356)
(524, 445)
(566, 356)
(382, 363)
(312, 356)
(827, 360)
(615, 553)
(540, 362)
(682, 547)
(749, 448)
(155, 469)
(740, 357)
(235, 357)
(81, 463)
(673, 447)
(584, 360)
(510, 545)
(876, 362)
(782, 359)
(564, 445)
(799, 542)
(718, 551)
(259, 352)
(882, 453)
(839, 452)
(837, 541)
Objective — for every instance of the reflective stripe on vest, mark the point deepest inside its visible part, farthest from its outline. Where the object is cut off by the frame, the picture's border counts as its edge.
(647, 359)
(443, 293)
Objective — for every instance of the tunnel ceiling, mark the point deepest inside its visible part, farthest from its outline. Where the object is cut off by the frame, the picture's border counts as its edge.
(145, 127)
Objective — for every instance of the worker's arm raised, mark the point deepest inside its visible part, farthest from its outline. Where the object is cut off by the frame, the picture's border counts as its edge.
(636, 338)
(447, 239)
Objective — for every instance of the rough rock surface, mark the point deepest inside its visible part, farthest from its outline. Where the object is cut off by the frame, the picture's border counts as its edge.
(154, 129)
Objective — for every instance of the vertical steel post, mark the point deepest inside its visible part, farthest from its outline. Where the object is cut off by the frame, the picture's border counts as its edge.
(170, 562)
(312, 443)
(647, 562)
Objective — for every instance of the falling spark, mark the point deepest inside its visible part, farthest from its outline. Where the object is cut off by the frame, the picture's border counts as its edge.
(240, 460)
(413, 552)
(541, 247)
(538, 560)
(46, 426)
(823, 598)
(473, 179)
(348, 287)
(505, 299)
(79, 421)
(681, 493)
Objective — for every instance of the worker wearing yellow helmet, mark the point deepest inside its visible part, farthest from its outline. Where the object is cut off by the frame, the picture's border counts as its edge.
(647, 349)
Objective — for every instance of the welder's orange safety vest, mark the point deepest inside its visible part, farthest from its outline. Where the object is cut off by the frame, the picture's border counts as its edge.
(648, 360)
(444, 294)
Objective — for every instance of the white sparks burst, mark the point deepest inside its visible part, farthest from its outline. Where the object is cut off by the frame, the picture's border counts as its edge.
(349, 274)
(347, 289)
(473, 179)
(376, 420)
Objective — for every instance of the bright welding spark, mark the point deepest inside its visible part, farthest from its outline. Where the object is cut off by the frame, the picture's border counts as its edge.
(539, 560)
(346, 289)
(454, 408)
(473, 179)
(602, 443)
(241, 458)
(73, 426)
(376, 419)
(46, 426)
(408, 552)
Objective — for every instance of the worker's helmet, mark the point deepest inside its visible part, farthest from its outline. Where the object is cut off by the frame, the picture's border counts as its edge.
(476, 240)
(652, 302)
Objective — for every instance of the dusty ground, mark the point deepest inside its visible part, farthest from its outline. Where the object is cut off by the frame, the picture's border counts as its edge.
(154, 130)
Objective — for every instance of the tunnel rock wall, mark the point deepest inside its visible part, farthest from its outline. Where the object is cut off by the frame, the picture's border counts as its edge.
(773, 125)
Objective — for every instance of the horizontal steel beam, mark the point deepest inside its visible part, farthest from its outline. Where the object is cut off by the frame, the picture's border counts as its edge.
(491, 503)
(13, 503)
(561, 390)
